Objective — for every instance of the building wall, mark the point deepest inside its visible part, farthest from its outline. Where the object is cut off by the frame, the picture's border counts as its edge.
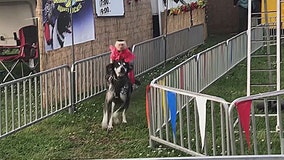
(182, 21)
(134, 27)
(222, 16)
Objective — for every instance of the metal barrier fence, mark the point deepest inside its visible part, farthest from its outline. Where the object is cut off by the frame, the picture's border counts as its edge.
(28, 100)
(204, 68)
(175, 119)
(181, 41)
(89, 72)
(154, 52)
(90, 76)
(266, 129)
(195, 74)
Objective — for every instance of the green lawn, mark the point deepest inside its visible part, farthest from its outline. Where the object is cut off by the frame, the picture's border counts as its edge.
(79, 135)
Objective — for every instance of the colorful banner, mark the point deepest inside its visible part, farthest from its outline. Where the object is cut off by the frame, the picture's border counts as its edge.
(172, 102)
(201, 108)
(244, 117)
(57, 23)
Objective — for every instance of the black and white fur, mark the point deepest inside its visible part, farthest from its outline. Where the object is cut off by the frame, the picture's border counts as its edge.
(118, 93)
(62, 27)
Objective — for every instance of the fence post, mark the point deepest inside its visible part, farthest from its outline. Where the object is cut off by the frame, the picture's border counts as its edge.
(72, 76)
(165, 58)
(72, 87)
(197, 72)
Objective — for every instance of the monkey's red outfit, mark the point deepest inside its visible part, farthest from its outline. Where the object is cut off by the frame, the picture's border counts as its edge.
(124, 54)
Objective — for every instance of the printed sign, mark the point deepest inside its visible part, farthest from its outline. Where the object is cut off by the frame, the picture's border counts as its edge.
(58, 16)
(109, 8)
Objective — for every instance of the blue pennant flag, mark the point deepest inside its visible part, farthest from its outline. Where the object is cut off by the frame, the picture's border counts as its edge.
(172, 99)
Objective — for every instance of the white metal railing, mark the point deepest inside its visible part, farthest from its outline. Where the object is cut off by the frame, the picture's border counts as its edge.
(28, 100)
(194, 75)
(177, 121)
(265, 129)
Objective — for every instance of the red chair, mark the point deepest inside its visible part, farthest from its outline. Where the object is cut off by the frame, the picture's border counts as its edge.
(25, 53)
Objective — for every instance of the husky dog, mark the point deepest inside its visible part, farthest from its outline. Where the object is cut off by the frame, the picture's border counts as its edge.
(118, 93)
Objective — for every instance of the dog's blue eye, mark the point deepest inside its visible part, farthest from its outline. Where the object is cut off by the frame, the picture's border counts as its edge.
(124, 64)
(118, 63)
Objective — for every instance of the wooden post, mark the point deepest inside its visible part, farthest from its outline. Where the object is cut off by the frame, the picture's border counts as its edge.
(40, 35)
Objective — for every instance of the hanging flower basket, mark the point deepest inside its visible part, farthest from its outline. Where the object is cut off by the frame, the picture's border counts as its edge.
(187, 7)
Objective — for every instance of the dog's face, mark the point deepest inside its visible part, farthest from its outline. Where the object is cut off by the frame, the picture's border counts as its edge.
(121, 68)
(64, 23)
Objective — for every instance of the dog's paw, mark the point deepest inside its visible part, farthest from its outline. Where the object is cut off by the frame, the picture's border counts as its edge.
(109, 127)
(124, 121)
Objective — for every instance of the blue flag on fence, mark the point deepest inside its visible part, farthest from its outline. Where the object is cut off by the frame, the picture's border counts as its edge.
(171, 97)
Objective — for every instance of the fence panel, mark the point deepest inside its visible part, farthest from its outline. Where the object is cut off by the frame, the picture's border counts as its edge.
(201, 70)
(263, 127)
(183, 76)
(90, 76)
(154, 52)
(181, 41)
(188, 121)
(149, 54)
(212, 64)
(195, 74)
(28, 100)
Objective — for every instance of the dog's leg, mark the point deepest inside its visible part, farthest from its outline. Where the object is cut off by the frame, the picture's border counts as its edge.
(107, 108)
(124, 116)
(104, 121)
(109, 127)
(105, 115)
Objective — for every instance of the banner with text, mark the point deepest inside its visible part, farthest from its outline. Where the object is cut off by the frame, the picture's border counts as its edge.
(57, 23)
(109, 8)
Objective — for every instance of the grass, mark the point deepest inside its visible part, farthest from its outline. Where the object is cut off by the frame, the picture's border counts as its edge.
(79, 135)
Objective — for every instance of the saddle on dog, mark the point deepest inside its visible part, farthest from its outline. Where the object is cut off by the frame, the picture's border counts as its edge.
(118, 93)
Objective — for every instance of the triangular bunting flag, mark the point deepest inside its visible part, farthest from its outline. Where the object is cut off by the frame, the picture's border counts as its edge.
(173, 109)
(244, 117)
(201, 108)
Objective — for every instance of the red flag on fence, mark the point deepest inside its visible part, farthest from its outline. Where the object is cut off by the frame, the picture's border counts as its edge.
(244, 117)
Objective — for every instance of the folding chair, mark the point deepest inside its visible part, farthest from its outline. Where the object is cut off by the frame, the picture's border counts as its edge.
(25, 53)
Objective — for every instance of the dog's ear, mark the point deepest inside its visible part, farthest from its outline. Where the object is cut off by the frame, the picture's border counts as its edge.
(109, 68)
(109, 71)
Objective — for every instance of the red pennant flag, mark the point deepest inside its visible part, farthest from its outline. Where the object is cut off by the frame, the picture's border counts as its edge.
(244, 117)
(147, 105)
